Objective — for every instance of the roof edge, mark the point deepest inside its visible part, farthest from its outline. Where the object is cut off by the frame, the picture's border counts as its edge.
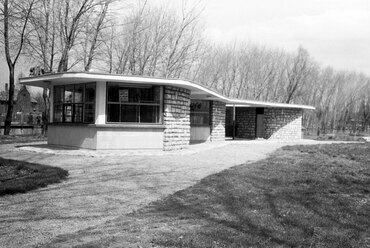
(44, 81)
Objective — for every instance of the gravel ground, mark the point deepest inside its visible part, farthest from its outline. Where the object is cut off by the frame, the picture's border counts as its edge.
(105, 185)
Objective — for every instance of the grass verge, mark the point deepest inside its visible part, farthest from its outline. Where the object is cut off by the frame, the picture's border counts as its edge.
(301, 196)
(14, 139)
(20, 177)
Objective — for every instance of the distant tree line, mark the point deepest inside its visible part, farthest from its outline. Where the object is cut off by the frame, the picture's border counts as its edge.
(65, 35)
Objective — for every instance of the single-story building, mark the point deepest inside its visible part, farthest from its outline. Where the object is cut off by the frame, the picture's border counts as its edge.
(110, 111)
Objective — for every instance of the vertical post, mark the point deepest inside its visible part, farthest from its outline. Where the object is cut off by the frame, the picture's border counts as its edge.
(233, 121)
(100, 102)
(51, 105)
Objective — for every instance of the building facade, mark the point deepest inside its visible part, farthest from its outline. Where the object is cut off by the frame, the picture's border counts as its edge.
(105, 111)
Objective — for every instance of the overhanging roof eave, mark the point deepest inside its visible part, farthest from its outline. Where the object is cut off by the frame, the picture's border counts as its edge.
(200, 92)
(247, 103)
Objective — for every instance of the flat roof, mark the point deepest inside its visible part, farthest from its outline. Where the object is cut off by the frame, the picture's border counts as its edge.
(198, 92)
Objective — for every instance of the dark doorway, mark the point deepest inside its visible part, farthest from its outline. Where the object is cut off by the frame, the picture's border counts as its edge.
(260, 122)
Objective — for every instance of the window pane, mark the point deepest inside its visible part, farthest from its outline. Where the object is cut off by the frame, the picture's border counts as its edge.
(89, 113)
(149, 114)
(90, 93)
(129, 113)
(68, 113)
(79, 93)
(113, 93)
(78, 112)
(150, 95)
(130, 100)
(58, 93)
(75, 103)
(199, 113)
(127, 94)
(68, 94)
(199, 106)
(58, 113)
(113, 113)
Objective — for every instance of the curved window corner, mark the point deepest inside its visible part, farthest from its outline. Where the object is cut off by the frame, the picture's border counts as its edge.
(74, 103)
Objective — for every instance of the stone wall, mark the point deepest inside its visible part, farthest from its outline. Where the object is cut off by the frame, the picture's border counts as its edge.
(176, 118)
(218, 111)
(283, 124)
(245, 121)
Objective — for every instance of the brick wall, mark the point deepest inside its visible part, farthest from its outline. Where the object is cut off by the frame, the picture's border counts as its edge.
(218, 111)
(245, 121)
(283, 124)
(176, 118)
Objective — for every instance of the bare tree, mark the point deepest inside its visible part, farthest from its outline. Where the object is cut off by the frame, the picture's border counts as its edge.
(297, 73)
(72, 15)
(42, 45)
(96, 31)
(15, 15)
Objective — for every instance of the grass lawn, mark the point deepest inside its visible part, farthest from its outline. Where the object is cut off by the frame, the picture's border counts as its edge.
(13, 139)
(20, 177)
(301, 196)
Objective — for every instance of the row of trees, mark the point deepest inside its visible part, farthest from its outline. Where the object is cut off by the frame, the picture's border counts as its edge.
(51, 33)
(341, 98)
(63, 35)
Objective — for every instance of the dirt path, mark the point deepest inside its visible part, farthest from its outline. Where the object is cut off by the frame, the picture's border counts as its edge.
(103, 186)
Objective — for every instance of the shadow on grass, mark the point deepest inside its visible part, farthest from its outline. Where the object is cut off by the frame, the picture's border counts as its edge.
(20, 176)
(306, 196)
(301, 196)
(50, 147)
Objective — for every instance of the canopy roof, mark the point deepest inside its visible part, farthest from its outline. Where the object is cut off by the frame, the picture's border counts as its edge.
(198, 92)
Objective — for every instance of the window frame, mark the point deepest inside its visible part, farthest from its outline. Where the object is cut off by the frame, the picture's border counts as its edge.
(208, 112)
(78, 106)
(138, 104)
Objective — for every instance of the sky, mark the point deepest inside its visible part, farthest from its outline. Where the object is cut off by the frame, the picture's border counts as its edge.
(335, 32)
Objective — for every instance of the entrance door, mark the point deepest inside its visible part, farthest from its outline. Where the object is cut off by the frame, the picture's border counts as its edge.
(259, 122)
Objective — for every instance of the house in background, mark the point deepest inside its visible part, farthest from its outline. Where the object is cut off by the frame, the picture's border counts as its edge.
(4, 96)
(109, 111)
(24, 105)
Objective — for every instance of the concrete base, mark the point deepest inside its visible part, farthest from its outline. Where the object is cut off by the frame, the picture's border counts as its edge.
(200, 134)
(107, 137)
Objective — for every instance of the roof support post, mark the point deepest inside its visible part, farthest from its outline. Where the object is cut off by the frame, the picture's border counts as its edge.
(234, 122)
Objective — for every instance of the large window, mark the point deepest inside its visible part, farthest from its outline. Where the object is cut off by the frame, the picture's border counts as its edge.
(74, 103)
(199, 113)
(134, 104)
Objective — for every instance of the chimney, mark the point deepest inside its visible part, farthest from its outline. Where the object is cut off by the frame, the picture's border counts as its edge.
(6, 88)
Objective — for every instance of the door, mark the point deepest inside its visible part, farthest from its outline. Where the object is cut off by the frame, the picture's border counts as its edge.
(260, 122)
(259, 131)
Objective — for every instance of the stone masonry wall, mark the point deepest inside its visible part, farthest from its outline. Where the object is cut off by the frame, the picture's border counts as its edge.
(245, 121)
(218, 111)
(283, 124)
(176, 118)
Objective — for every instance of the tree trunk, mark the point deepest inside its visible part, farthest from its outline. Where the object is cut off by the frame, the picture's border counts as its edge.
(45, 120)
(9, 113)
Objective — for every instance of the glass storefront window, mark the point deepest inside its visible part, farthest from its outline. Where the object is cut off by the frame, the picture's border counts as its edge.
(134, 104)
(74, 103)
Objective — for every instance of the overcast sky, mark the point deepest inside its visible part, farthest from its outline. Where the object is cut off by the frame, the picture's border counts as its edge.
(335, 32)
